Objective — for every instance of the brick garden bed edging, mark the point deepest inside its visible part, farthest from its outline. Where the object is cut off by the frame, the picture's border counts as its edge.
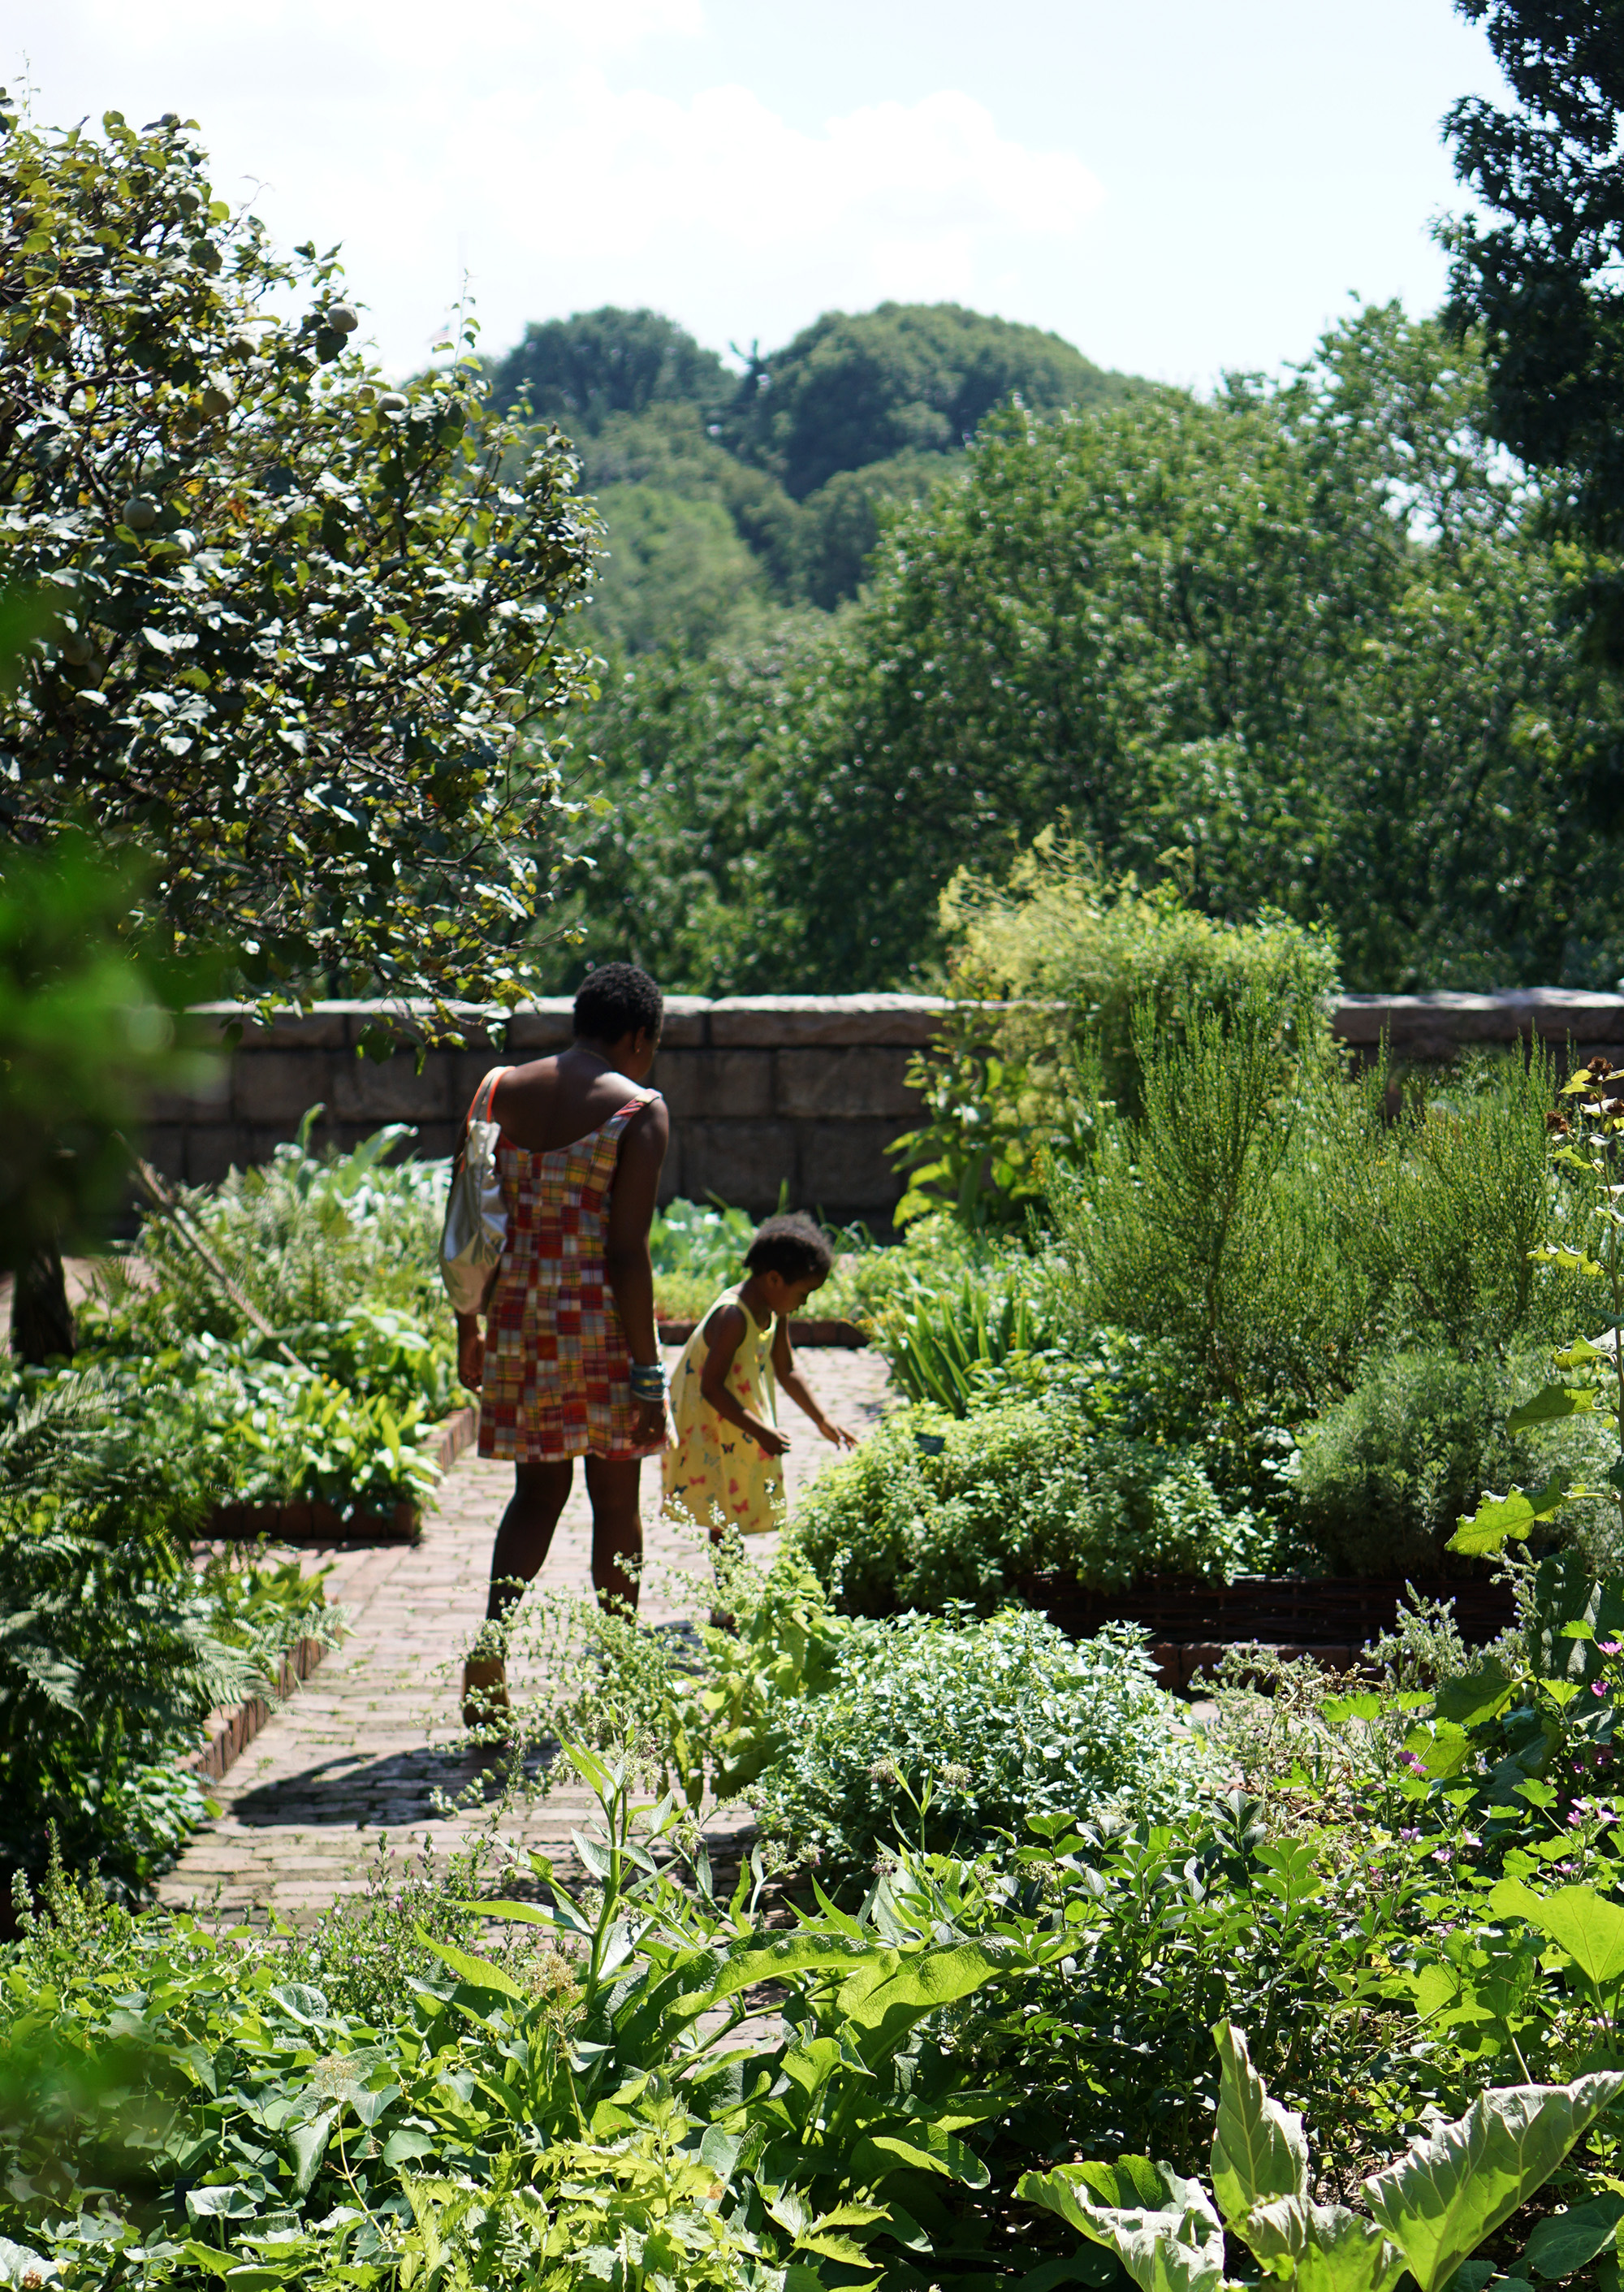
(228, 1733)
(323, 1523)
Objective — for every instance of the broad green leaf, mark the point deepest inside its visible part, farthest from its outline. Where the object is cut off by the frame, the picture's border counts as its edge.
(1451, 2191)
(308, 2144)
(884, 2011)
(477, 1973)
(1443, 1748)
(1569, 2240)
(1177, 2246)
(1338, 1708)
(303, 2002)
(1479, 1696)
(1577, 1918)
(1499, 1517)
(1557, 1402)
(924, 2147)
(1322, 2248)
(408, 2144)
(227, 2201)
(1258, 2149)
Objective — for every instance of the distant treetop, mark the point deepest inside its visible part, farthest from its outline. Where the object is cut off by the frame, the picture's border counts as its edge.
(579, 371)
(852, 389)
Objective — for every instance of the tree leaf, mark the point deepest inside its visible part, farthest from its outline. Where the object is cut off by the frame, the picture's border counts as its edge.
(1258, 2149)
(1440, 2201)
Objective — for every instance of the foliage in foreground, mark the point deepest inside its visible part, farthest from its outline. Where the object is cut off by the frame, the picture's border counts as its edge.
(1432, 2206)
(116, 1650)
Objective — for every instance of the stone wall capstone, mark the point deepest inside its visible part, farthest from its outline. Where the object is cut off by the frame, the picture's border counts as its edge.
(796, 1091)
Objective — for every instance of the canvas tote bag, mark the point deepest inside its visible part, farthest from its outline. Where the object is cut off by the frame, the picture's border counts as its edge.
(476, 1223)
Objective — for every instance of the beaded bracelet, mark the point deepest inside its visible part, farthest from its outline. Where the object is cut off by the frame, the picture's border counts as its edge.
(647, 1380)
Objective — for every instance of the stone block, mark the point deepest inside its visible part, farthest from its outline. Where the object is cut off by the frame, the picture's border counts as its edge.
(845, 1083)
(535, 1028)
(391, 1090)
(688, 1022)
(1434, 1026)
(163, 1145)
(842, 1167)
(433, 1143)
(207, 1104)
(786, 1021)
(276, 1085)
(465, 1071)
(715, 1085)
(743, 1162)
(212, 1149)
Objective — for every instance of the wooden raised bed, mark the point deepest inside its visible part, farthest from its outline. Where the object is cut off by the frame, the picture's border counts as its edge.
(324, 1523)
(1191, 1622)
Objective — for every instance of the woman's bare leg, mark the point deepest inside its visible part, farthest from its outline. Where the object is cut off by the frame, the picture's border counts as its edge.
(540, 1492)
(617, 1526)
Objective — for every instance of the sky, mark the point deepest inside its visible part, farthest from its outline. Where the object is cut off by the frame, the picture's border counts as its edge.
(1178, 189)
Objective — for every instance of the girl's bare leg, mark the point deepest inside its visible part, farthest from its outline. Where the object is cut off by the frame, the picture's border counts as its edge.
(540, 1492)
(617, 1526)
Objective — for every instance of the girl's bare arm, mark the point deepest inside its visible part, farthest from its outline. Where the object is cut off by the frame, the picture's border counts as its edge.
(800, 1393)
(725, 1333)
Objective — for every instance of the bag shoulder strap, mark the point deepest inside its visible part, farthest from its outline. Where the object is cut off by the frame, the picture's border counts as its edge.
(487, 1091)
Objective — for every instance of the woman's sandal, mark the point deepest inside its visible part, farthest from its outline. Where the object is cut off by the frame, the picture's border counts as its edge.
(485, 1692)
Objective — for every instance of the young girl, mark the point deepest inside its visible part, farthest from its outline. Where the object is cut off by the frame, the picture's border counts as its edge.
(724, 1471)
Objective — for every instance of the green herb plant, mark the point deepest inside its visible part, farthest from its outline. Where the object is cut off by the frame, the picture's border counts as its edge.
(1429, 2210)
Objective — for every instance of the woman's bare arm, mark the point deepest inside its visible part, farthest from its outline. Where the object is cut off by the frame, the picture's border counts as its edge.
(626, 1260)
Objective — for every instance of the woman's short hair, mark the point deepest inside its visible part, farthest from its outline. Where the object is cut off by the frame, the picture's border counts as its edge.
(617, 999)
(793, 1245)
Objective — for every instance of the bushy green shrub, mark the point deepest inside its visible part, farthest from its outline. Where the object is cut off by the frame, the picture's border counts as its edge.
(1383, 1478)
(1061, 974)
(944, 1734)
(338, 1254)
(934, 1508)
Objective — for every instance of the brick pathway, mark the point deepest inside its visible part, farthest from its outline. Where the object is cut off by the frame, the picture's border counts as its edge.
(361, 1750)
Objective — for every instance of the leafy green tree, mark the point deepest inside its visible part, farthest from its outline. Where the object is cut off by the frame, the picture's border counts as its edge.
(669, 446)
(1301, 645)
(301, 616)
(677, 573)
(691, 772)
(905, 377)
(841, 523)
(580, 371)
(1540, 281)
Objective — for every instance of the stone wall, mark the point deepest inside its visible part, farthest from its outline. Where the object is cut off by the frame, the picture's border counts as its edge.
(802, 1091)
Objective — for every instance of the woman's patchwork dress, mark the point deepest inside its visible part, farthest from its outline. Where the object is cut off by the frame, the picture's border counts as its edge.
(558, 1367)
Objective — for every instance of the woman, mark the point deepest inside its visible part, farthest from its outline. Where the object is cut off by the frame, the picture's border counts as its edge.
(569, 1365)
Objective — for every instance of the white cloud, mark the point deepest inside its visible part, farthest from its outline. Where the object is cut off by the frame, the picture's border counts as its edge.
(530, 141)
